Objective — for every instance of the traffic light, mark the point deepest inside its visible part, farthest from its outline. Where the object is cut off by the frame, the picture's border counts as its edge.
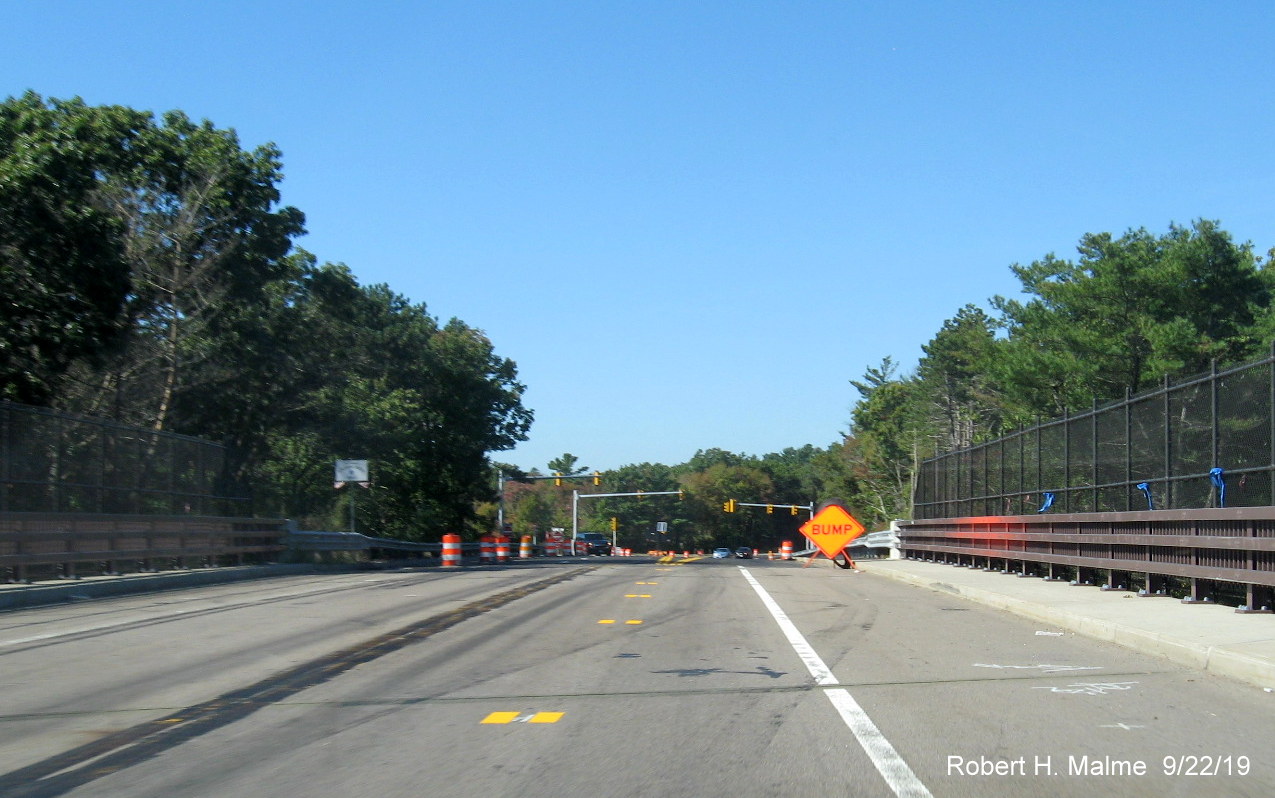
(557, 478)
(681, 494)
(615, 524)
(640, 497)
(792, 510)
(770, 509)
(597, 478)
(728, 506)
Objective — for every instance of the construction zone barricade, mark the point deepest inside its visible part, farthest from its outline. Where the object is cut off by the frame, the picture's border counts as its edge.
(502, 548)
(524, 548)
(451, 551)
(785, 550)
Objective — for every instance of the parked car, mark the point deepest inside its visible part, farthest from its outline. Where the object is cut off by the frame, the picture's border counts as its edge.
(744, 553)
(592, 543)
(721, 554)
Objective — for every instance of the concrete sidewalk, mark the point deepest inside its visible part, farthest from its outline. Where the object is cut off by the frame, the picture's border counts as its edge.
(1209, 637)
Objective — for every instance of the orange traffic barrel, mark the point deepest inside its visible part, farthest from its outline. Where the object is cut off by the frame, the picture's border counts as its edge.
(451, 551)
(785, 551)
(502, 548)
(524, 547)
(486, 549)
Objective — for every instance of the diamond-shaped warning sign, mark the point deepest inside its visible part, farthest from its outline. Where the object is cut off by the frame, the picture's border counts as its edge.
(832, 530)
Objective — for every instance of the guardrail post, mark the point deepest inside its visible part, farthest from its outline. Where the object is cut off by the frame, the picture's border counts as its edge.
(1199, 593)
(1257, 601)
(1114, 582)
(1154, 586)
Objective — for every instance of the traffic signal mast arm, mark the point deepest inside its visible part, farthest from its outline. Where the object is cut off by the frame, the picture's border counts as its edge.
(810, 508)
(576, 496)
(638, 493)
(557, 478)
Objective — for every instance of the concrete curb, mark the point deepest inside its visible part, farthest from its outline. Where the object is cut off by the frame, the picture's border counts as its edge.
(1220, 660)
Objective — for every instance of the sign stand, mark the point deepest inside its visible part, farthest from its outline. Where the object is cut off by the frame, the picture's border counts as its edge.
(351, 472)
(831, 530)
(850, 564)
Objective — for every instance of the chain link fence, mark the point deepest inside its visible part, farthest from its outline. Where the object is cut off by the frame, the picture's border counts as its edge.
(1206, 441)
(54, 462)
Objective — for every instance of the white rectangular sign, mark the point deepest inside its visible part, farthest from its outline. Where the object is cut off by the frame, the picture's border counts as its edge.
(351, 471)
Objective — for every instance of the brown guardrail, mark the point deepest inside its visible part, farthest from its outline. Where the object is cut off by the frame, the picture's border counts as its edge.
(1203, 547)
(52, 545)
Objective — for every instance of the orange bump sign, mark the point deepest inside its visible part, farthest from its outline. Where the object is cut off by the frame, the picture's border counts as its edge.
(832, 530)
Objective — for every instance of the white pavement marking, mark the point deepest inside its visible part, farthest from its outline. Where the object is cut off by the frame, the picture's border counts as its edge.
(887, 761)
(1045, 668)
(1090, 688)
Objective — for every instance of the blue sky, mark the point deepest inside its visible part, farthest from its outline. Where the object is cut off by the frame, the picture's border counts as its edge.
(692, 223)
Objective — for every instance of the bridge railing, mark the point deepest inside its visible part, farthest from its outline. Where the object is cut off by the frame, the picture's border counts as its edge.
(67, 545)
(1207, 551)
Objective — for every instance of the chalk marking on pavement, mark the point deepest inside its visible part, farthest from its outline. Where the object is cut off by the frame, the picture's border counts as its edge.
(896, 772)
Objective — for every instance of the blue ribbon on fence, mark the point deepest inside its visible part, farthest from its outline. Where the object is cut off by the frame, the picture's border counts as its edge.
(1049, 502)
(1145, 488)
(1219, 482)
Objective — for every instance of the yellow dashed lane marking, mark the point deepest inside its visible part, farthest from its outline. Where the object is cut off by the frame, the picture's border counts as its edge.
(612, 620)
(637, 595)
(518, 717)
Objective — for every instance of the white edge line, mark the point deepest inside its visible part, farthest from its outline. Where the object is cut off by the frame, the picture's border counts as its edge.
(896, 772)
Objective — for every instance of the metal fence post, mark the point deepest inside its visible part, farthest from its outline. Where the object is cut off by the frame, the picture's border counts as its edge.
(1168, 447)
(1215, 442)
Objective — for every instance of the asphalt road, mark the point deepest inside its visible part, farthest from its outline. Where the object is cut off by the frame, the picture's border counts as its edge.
(601, 677)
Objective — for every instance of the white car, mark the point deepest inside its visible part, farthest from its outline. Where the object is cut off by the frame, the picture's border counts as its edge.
(721, 554)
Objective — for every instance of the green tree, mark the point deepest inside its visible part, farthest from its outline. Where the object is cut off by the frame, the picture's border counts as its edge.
(204, 244)
(1130, 310)
(1216, 293)
(953, 373)
(61, 251)
(887, 437)
(566, 464)
(709, 489)
(376, 377)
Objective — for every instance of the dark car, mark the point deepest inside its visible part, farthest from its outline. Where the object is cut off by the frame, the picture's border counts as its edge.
(744, 553)
(592, 543)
